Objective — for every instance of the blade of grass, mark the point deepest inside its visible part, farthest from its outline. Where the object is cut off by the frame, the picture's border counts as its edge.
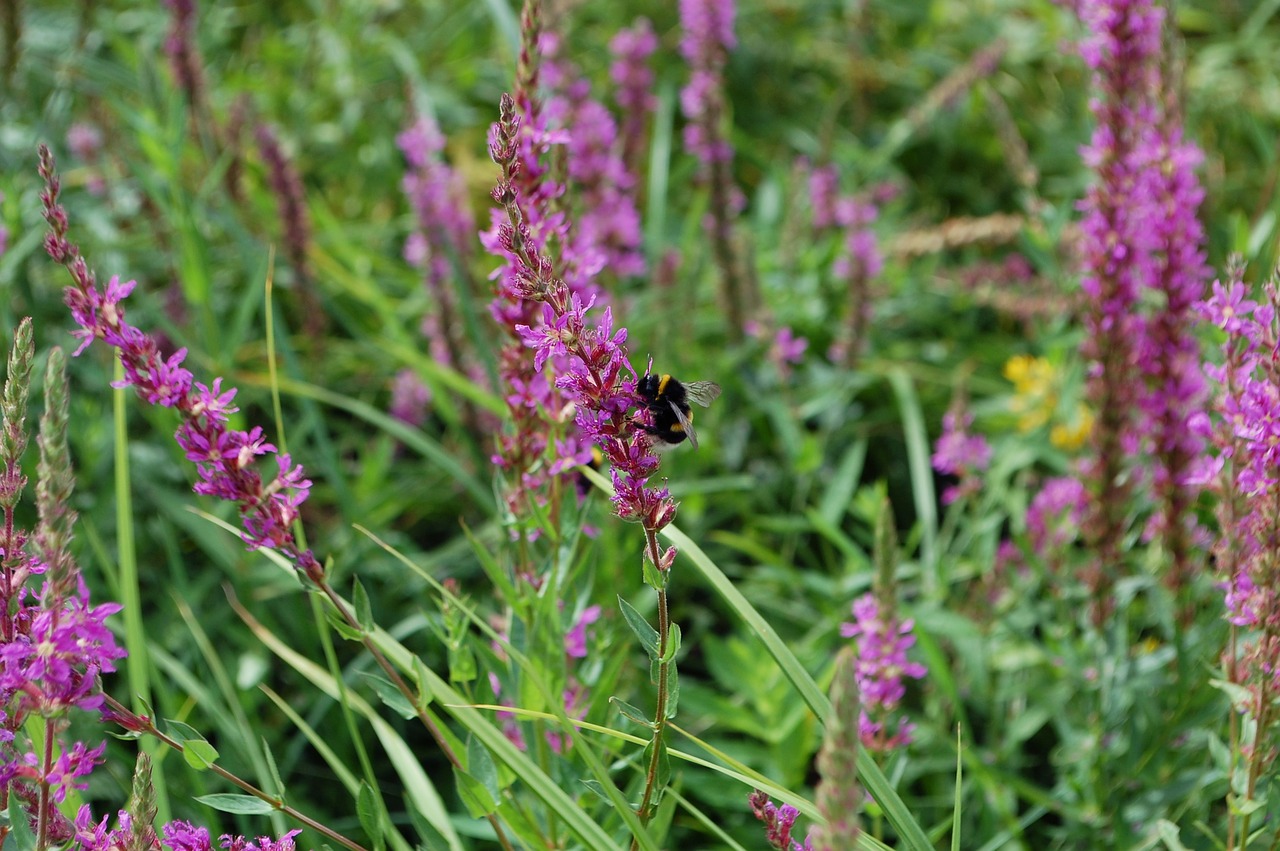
(138, 661)
(922, 491)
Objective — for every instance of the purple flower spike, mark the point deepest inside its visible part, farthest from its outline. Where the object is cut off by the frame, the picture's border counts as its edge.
(882, 662)
(225, 460)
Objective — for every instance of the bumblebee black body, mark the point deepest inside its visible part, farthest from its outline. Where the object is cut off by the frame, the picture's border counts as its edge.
(667, 401)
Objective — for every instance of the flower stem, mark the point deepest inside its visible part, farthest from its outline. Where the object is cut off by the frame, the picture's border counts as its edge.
(664, 687)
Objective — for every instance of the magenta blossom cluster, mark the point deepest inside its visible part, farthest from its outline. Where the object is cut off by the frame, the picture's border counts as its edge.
(1247, 468)
(778, 822)
(441, 246)
(633, 79)
(1139, 231)
(860, 260)
(882, 642)
(91, 835)
(605, 231)
(226, 459)
(596, 376)
(962, 454)
(707, 27)
(1054, 516)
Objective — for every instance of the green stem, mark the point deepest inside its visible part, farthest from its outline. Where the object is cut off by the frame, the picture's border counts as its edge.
(664, 686)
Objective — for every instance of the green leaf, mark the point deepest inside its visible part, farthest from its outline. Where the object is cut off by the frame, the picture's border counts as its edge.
(244, 805)
(480, 765)
(673, 642)
(648, 635)
(360, 602)
(474, 794)
(340, 626)
(20, 833)
(922, 492)
(390, 695)
(462, 664)
(277, 785)
(598, 790)
(181, 732)
(664, 761)
(631, 712)
(368, 810)
(199, 754)
(1170, 835)
(653, 577)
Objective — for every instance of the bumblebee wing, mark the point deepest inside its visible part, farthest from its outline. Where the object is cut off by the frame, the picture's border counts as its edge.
(686, 425)
(702, 392)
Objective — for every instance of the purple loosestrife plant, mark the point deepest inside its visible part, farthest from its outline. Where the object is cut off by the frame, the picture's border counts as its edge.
(1247, 469)
(778, 822)
(226, 459)
(706, 38)
(1169, 353)
(860, 263)
(541, 437)
(1122, 48)
(882, 642)
(839, 796)
(54, 645)
(442, 243)
(1054, 517)
(961, 454)
(631, 74)
(184, 56)
(597, 379)
(295, 223)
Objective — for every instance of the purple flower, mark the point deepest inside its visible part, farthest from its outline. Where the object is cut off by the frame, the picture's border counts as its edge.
(593, 375)
(778, 822)
(54, 664)
(1119, 254)
(185, 836)
(1054, 516)
(787, 349)
(631, 74)
(85, 141)
(224, 459)
(1246, 432)
(960, 454)
(882, 643)
(706, 39)
(409, 398)
(575, 640)
(824, 188)
(442, 243)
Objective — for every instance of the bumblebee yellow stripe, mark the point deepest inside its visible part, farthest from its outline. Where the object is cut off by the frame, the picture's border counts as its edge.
(663, 382)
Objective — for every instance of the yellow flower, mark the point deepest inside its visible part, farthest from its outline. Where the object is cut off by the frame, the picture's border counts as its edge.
(1071, 436)
(1037, 393)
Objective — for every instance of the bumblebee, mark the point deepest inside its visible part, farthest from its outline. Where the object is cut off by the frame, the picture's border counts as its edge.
(667, 400)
